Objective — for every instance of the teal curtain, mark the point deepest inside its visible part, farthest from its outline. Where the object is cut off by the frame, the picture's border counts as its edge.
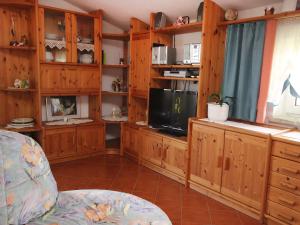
(242, 70)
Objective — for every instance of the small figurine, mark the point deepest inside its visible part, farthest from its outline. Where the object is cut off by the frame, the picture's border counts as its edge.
(121, 61)
(116, 85)
(24, 41)
(181, 20)
(269, 11)
(231, 14)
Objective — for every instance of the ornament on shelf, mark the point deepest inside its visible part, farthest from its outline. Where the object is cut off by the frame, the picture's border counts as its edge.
(231, 14)
(116, 85)
(269, 10)
(181, 20)
(22, 84)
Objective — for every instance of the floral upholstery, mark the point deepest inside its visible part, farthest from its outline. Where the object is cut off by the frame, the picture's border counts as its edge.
(92, 207)
(28, 194)
(27, 187)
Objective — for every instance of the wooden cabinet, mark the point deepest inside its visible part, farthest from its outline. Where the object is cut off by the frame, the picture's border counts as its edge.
(206, 156)
(244, 168)
(65, 143)
(131, 140)
(64, 36)
(174, 156)
(90, 139)
(152, 148)
(60, 143)
(165, 154)
(69, 79)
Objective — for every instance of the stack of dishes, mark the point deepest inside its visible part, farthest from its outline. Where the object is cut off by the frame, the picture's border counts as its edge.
(21, 123)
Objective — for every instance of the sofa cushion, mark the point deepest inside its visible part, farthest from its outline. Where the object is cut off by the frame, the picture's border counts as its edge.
(28, 187)
(94, 207)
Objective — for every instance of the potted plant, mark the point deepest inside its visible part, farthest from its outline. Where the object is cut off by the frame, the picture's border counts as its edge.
(218, 107)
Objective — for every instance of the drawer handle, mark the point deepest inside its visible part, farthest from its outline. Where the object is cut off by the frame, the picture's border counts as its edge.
(287, 201)
(290, 186)
(290, 153)
(285, 217)
(290, 170)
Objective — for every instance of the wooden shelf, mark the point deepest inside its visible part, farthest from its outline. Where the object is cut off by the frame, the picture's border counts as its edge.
(176, 29)
(113, 93)
(124, 66)
(113, 122)
(18, 90)
(17, 4)
(176, 66)
(24, 130)
(70, 64)
(258, 18)
(69, 92)
(176, 78)
(118, 37)
(25, 48)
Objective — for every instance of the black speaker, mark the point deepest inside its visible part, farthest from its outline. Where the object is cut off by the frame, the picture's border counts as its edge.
(160, 20)
(200, 12)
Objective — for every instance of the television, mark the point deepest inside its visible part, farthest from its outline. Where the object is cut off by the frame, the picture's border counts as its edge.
(169, 110)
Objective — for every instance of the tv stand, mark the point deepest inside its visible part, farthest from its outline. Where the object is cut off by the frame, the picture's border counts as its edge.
(172, 132)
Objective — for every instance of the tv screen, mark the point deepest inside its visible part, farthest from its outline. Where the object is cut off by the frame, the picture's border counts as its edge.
(169, 110)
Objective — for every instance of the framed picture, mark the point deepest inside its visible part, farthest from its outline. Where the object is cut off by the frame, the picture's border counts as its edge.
(60, 107)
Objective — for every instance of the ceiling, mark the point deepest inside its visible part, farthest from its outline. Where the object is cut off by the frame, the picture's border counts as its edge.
(118, 12)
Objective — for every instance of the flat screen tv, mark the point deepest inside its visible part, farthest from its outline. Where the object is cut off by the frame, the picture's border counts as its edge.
(169, 110)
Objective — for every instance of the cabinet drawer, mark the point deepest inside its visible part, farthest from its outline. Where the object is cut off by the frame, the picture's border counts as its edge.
(286, 151)
(285, 183)
(284, 198)
(286, 167)
(284, 214)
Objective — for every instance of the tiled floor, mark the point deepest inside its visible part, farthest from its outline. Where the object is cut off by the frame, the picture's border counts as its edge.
(183, 206)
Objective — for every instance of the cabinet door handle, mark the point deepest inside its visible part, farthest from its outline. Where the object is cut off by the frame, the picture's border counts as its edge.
(220, 161)
(290, 153)
(285, 217)
(227, 164)
(289, 186)
(287, 201)
(290, 170)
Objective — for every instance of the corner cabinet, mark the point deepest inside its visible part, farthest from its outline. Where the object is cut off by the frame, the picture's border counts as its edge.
(229, 162)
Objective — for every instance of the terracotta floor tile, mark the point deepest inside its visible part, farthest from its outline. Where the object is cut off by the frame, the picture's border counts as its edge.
(183, 206)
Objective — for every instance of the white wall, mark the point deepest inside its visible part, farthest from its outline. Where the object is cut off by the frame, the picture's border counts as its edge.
(60, 4)
(286, 5)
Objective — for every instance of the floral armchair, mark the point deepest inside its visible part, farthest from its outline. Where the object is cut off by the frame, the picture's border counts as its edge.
(28, 194)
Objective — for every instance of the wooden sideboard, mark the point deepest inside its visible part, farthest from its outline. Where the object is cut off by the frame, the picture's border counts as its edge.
(63, 143)
(230, 162)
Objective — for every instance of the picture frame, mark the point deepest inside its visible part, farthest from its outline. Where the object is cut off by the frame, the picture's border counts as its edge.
(60, 107)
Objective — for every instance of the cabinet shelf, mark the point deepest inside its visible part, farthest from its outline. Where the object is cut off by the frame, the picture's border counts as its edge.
(113, 93)
(176, 66)
(70, 64)
(181, 29)
(118, 37)
(122, 66)
(24, 130)
(17, 4)
(176, 78)
(20, 48)
(18, 90)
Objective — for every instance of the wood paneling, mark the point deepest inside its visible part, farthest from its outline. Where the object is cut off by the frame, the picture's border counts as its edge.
(90, 139)
(152, 148)
(243, 175)
(207, 144)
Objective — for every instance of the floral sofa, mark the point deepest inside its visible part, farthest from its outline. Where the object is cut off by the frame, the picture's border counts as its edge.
(28, 194)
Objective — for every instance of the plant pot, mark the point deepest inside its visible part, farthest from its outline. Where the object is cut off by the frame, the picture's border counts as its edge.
(217, 113)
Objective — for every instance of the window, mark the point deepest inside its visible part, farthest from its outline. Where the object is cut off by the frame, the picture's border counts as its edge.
(284, 92)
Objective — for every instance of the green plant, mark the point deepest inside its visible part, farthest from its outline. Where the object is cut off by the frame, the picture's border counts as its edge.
(219, 99)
